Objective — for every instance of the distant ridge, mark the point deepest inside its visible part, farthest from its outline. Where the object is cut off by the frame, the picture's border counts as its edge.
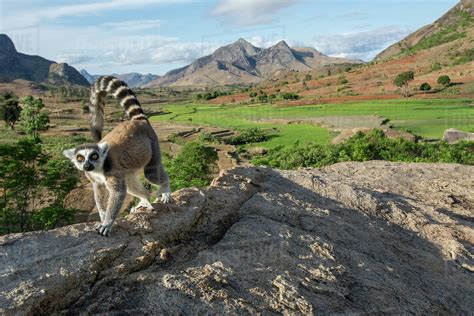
(133, 79)
(243, 63)
(15, 65)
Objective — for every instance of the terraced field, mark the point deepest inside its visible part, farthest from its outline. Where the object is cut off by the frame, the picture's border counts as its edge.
(319, 123)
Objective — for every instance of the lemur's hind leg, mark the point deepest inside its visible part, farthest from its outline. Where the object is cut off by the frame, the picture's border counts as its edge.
(135, 188)
(156, 174)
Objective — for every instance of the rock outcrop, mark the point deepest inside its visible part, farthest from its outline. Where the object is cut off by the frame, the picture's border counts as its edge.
(373, 237)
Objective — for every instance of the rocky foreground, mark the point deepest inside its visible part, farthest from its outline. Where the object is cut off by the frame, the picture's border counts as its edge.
(373, 237)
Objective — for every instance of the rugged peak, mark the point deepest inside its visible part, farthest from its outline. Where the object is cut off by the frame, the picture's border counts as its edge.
(6, 44)
(282, 44)
(242, 41)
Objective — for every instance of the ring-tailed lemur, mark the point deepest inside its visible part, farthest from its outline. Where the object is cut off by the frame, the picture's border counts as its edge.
(116, 160)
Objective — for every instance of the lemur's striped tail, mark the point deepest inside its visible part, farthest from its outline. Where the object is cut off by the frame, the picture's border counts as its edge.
(108, 85)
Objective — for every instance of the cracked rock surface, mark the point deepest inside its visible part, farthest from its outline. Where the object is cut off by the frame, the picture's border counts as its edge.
(373, 237)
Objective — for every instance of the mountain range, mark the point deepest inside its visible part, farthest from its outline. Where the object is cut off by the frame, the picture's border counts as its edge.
(15, 65)
(243, 63)
(133, 79)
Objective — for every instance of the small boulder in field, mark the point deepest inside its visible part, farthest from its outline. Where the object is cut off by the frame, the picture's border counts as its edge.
(453, 135)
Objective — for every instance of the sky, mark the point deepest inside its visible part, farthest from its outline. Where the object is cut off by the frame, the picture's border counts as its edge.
(155, 36)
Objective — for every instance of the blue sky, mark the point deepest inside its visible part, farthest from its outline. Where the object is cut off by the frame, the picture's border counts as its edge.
(159, 35)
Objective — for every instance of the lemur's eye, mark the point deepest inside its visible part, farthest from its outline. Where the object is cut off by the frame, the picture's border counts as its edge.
(95, 157)
(80, 158)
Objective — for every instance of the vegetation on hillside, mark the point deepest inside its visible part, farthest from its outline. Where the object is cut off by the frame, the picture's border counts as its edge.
(364, 147)
(444, 35)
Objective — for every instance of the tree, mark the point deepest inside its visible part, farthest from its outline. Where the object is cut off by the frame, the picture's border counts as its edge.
(253, 94)
(32, 187)
(308, 77)
(444, 81)
(402, 81)
(9, 109)
(425, 87)
(33, 118)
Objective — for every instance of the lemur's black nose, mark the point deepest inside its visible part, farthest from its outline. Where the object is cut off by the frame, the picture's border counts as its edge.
(88, 167)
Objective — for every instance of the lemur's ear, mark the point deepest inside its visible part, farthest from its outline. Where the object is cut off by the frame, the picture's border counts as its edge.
(103, 148)
(69, 153)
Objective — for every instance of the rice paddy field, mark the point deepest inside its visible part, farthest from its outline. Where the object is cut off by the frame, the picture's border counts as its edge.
(321, 122)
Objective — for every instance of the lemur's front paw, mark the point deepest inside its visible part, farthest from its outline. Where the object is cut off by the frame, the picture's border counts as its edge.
(105, 230)
(166, 197)
(145, 205)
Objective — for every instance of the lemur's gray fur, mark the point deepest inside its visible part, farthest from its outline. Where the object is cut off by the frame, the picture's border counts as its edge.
(114, 163)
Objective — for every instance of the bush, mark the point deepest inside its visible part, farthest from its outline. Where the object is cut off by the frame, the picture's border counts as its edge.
(289, 96)
(425, 87)
(248, 136)
(253, 94)
(193, 166)
(343, 81)
(364, 147)
(444, 81)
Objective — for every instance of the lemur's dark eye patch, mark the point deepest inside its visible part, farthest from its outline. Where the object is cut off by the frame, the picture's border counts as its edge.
(94, 156)
(80, 158)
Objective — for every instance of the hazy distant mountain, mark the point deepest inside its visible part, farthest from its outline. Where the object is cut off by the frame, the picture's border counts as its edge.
(15, 65)
(133, 79)
(243, 63)
(90, 78)
(452, 17)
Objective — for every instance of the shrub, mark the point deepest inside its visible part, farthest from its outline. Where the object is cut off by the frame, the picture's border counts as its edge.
(308, 77)
(425, 87)
(364, 147)
(193, 166)
(253, 94)
(289, 96)
(248, 136)
(343, 81)
(444, 81)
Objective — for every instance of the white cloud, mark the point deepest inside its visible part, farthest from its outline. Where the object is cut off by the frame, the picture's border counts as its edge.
(32, 15)
(104, 50)
(249, 12)
(264, 42)
(363, 44)
(76, 59)
(134, 25)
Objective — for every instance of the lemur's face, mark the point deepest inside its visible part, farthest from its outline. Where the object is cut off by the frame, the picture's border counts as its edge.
(88, 157)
